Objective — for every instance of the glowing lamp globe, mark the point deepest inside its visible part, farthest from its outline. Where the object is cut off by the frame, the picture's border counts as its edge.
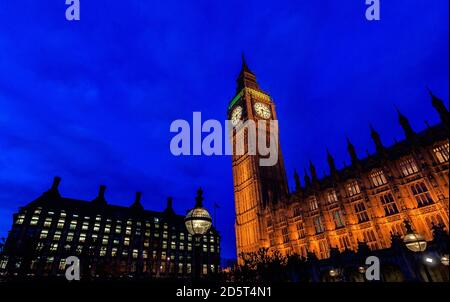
(413, 241)
(198, 221)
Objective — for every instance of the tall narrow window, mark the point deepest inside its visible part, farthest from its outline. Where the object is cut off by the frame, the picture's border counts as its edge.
(377, 177)
(389, 205)
(338, 219)
(421, 194)
(285, 233)
(313, 205)
(408, 166)
(301, 229)
(318, 225)
(353, 188)
(331, 196)
(442, 153)
(361, 212)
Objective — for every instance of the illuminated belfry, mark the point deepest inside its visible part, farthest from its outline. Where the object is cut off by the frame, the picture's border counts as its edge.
(366, 201)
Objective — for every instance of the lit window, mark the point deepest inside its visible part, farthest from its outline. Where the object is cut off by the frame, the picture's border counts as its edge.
(181, 236)
(129, 222)
(102, 251)
(85, 226)
(211, 248)
(285, 233)
(442, 153)
(180, 268)
(318, 225)
(135, 254)
(377, 177)
(164, 244)
(353, 188)
(20, 219)
(47, 222)
(408, 166)
(189, 246)
(105, 240)
(338, 219)
(126, 241)
(73, 225)
(54, 247)
(107, 229)
(128, 230)
(146, 243)
(44, 234)
(118, 229)
(301, 230)
(60, 223)
(82, 237)
(331, 197)
(205, 269)
(144, 254)
(57, 236)
(313, 204)
(389, 205)
(34, 220)
(173, 245)
(114, 252)
(62, 264)
(421, 194)
(165, 234)
(98, 218)
(361, 213)
(370, 239)
(96, 227)
(69, 237)
(297, 212)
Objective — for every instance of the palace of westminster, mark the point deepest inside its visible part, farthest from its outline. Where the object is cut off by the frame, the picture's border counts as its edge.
(367, 201)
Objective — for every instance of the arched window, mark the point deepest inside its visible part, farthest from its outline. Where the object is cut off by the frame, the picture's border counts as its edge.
(421, 194)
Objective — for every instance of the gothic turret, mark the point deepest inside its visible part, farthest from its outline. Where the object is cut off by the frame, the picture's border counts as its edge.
(352, 151)
(298, 185)
(438, 104)
(404, 122)
(331, 164)
(307, 179)
(377, 140)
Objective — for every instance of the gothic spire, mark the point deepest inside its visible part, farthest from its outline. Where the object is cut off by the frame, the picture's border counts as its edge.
(307, 179)
(352, 151)
(376, 139)
(438, 104)
(246, 77)
(404, 122)
(298, 185)
(313, 171)
(331, 163)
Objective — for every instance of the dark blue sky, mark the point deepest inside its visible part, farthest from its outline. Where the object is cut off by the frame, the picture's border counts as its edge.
(92, 101)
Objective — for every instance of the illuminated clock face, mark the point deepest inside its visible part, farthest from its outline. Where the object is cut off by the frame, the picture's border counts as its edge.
(236, 115)
(262, 110)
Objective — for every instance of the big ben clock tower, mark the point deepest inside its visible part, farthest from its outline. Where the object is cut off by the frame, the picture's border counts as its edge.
(256, 187)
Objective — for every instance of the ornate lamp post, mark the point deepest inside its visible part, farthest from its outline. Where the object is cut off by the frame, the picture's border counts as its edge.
(416, 243)
(413, 241)
(198, 222)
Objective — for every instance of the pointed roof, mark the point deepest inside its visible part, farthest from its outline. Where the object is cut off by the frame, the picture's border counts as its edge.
(246, 77)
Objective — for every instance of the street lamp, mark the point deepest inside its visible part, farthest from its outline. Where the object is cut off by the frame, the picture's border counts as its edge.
(198, 222)
(445, 260)
(416, 243)
(413, 241)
